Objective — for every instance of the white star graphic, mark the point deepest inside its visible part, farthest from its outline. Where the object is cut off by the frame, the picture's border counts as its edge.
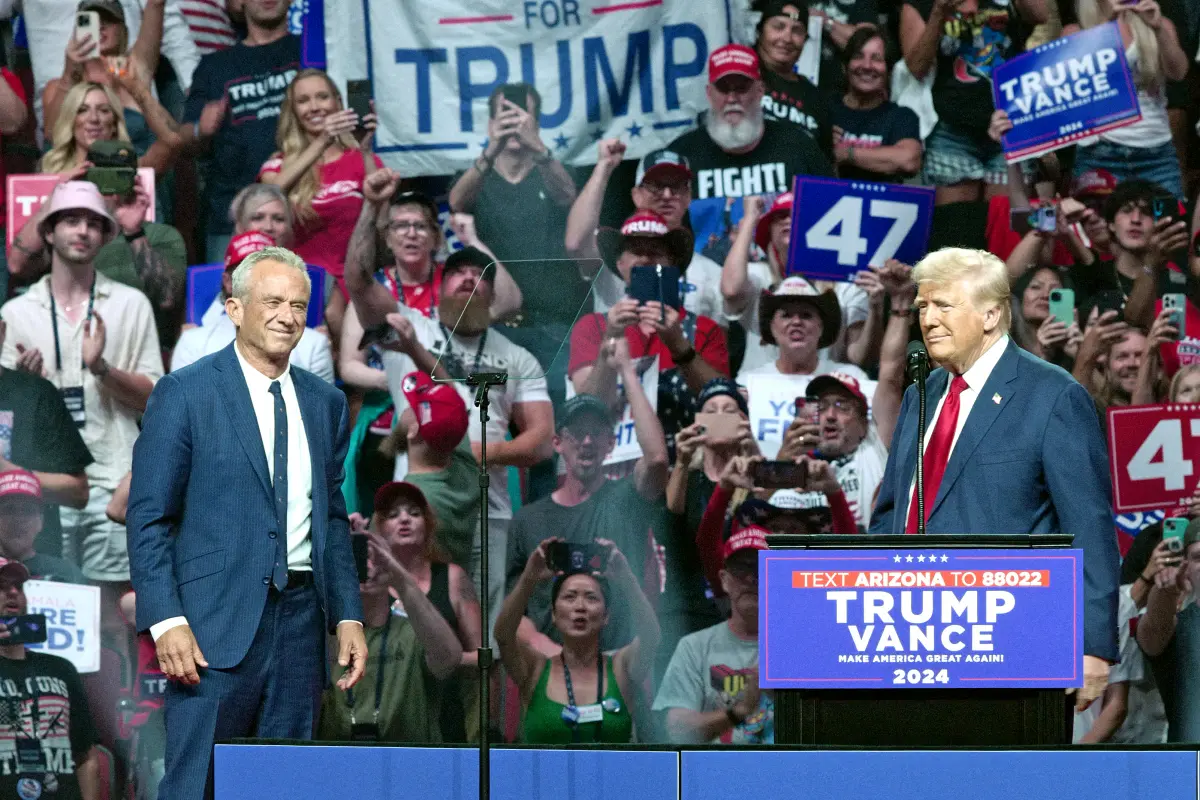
(908, 559)
(920, 558)
(945, 559)
(896, 559)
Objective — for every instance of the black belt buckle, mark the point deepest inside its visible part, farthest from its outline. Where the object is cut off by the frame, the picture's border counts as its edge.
(299, 578)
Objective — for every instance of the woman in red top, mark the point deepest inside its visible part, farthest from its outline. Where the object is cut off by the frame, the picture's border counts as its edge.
(321, 167)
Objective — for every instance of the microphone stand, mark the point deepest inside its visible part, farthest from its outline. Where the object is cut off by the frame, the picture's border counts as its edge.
(918, 371)
(483, 381)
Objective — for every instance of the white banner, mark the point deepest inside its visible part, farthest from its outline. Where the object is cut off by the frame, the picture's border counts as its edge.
(72, 621)
(773, 406)
(608, 68)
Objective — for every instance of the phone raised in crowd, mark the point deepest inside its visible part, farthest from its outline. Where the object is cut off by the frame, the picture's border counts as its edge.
(1175, 303)
(1062, 305)
(779, 475)
(517, 95)
(359, 545)
(1173, 529)
(358, 99)
(655, 284)
(25, 629)
(719, 428)
(87, 23)
(571, 557)
(808, 410)
(381, 334)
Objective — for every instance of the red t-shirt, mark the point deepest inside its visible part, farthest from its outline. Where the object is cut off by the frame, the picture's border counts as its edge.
(588, 333)
(15, 84)
(323, 241)
(422, 297)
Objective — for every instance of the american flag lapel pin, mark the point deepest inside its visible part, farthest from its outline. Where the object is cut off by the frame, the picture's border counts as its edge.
(996, 398)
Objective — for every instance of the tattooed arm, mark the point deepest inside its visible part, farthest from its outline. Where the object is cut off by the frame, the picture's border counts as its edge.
(163, 285)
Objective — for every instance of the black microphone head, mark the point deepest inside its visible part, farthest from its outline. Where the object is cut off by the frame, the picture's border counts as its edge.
(916, 348)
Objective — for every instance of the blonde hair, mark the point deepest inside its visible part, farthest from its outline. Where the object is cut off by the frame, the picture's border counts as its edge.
(61, 156)
(280, 255)
(1177, 379)
(986, 274)
(253, 197)
(1149, 74)
(292, 141)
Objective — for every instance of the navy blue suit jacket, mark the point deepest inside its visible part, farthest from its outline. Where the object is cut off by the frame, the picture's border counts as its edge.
(201, 506)
(1032, 462)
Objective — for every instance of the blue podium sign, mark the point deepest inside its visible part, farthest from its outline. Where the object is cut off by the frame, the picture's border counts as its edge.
(1065, 90)
(843, 227)
(920, 618)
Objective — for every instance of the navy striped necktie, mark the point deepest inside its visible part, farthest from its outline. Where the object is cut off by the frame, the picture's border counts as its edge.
(279, 576)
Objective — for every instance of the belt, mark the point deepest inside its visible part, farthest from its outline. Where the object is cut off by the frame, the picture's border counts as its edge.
(299, 578)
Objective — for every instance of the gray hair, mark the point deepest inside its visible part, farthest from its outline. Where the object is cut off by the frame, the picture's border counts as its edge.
(280, 255)
(248, 200)
(986, 274)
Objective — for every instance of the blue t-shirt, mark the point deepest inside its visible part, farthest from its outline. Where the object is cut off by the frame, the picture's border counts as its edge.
(255, 79)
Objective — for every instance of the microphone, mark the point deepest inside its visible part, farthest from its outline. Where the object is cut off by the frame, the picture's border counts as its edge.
(917, 362)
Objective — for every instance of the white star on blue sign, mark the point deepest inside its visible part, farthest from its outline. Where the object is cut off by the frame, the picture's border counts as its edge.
(896, 559)
(921, 558)
(945, 559)
(908, 559)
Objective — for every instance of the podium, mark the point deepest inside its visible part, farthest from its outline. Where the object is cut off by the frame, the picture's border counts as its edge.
(1028, 587)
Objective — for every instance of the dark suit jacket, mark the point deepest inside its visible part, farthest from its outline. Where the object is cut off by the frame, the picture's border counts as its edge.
(1033, 462)
(201, 506)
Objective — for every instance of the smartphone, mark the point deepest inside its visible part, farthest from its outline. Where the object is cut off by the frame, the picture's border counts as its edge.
(1047, 219)
(381, 334)
(1175, 304)
(1110, 300)
(1173, 529)
(517, 95)
(779, 475)
(358, 100)
(1062, 305)
(655, 284)
(809, 410)
(1158, 207)
(719, 428)
(571, 557)
(358, 545)
(87, 23)
(25, 629)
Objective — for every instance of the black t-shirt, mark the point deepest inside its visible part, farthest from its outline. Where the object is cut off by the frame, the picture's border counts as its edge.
(42, 701)
(1102, 276)
(255, 80)
(971, 46)
(688, 594)
(783, 153)
(882, 126)
(616, 512)
(37, 434)
(526, 229)
(801, 104)
(832, 77)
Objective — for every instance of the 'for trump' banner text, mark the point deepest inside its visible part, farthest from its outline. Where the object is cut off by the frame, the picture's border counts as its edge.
(604, 68)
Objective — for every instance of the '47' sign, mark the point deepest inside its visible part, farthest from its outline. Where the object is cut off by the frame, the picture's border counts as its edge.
(1153, 452)
(843, 227)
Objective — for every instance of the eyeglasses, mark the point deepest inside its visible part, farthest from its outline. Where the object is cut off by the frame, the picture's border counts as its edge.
(404, 226)
(580, 435)
(840, 404)
(658, 191)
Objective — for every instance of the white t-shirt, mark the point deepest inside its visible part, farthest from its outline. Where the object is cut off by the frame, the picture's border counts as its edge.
(700, 288)
(854, 303)
(1153, 129)
(498, 354)
(859, 475)
(312, 351)
(824, 367)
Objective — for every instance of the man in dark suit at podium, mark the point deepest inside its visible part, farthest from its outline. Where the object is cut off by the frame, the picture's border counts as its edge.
(1012, 443)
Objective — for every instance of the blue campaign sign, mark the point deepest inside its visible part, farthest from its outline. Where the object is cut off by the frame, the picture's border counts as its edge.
(842, 227)
(1066, 90)
(920, 618)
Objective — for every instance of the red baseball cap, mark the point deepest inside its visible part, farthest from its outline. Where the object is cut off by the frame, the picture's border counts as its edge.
(762, 231)
(18, 570)
(835, 380)
(1094, 183)
(733, 59)
(439, 409)
(751, 537)
(243, 245)
(645, 224)
(20, 483)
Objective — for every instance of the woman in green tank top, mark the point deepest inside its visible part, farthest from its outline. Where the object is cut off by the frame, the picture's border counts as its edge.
(580, 695)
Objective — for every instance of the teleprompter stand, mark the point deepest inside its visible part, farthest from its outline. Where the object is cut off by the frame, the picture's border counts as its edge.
(921, 717)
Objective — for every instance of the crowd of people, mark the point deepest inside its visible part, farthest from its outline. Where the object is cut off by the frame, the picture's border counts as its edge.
(624, 516)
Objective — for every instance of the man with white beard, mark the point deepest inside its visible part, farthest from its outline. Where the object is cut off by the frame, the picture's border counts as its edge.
(736, 152)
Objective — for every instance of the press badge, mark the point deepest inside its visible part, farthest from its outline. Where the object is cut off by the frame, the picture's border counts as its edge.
(592, 713)
(29, 757)
(73, 398)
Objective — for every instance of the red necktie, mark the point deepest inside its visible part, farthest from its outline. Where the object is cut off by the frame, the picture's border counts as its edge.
(938, 452)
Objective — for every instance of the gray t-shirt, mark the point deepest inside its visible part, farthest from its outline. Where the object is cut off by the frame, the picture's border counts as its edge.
(707, 673)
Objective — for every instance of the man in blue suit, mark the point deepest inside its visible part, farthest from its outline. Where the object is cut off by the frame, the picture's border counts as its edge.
(1013, 443)
(239, 544)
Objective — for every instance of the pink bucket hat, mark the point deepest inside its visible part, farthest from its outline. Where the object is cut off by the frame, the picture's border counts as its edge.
(75, 196)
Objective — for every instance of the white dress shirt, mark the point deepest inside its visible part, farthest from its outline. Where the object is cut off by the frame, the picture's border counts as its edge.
(975, 377)
(299, 477)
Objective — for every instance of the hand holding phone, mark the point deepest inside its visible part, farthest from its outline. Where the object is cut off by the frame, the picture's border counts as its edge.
(87, 25)
(1062, 305)
(720, 429)
(779, 475)
(24, 629)
(358, 100)
(568, 557)
(1176, 304)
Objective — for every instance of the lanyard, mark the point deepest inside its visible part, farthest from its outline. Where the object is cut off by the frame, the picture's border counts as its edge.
(54, 323)
(378, 676)
(448, 354)
(571, 691)
(396, 287)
